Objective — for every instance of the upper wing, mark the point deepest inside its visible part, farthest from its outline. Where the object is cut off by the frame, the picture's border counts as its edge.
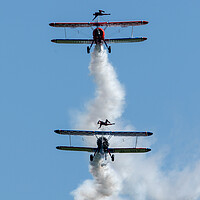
(73, 25)
(125, 40)
(67, 148)
(114, 133)
(73, 41)
(89, 24)
(129, 150)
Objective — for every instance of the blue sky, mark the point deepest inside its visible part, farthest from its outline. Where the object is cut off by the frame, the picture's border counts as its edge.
(42, 84)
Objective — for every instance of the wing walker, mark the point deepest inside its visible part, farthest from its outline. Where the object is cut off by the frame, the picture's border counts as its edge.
(99, 32)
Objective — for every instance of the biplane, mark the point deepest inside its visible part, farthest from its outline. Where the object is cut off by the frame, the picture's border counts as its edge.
(103, 138)
(99, 32)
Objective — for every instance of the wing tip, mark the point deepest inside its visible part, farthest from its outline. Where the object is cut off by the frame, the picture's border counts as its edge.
(54, 40)
(52, 24)
(57, 131)
(148, 149)
(145, 22)
(149, 133)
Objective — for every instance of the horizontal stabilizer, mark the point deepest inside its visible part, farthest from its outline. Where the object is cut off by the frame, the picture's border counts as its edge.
(72, 41)
(129, 150)
(126, 40)
(114, 133)
(68, 148)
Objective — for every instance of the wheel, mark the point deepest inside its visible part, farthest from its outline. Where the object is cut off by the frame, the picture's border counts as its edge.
(112, 158)
(88, 49)
(109, 49)
(91, 157)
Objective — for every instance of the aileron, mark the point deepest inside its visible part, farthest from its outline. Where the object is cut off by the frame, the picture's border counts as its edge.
(72, 41)
(125, 40)
(70, 148)
(129, 150)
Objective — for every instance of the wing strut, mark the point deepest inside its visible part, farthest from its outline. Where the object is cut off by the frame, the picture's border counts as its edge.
(132, 32)
(110, 136)
(70, 142)
(65, 33)
(136, 141)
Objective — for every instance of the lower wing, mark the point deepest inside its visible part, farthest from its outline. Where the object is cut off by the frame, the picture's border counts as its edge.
(68, 148)
(125, 40)
(89, 41)
(72, 41)
(112, 150)
(129, 150)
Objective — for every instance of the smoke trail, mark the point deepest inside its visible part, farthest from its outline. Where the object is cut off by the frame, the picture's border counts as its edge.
(109, 94)
(108, 103)
(134, 177)
(105, 185)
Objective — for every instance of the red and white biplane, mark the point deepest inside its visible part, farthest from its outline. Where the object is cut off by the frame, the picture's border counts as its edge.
(98, 32)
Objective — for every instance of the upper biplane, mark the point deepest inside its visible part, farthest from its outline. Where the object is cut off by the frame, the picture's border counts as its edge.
(103, 148)
(99, 33)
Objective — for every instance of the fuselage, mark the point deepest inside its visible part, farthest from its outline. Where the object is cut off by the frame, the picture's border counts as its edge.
(102, 147)
(98, 35)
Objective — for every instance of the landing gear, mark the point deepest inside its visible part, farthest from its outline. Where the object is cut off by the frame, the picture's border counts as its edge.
(91, 157)
(112, 158)
(88, 50)
(109, 49)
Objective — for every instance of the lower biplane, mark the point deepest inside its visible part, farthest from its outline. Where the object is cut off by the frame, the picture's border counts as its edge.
(103, 148)
(99, 33)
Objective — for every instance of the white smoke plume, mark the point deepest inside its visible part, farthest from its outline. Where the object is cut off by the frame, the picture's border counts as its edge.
(109, 95)
(107, 104)
(130, 177)
(104, 186)
(143, 178)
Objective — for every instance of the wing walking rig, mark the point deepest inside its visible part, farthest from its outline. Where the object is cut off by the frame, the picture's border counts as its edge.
(103, 148)
(99, 32)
